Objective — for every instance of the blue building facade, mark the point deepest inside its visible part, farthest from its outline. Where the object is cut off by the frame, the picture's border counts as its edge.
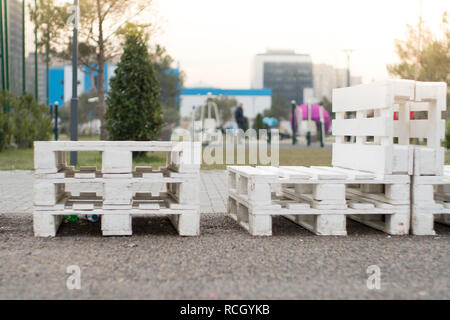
(60, 82)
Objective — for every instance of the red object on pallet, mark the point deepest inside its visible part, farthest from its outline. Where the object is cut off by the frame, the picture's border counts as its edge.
(411, 115)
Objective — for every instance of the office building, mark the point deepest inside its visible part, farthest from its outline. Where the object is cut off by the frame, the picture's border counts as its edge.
(326, 78)
(13, 53)
(285, 72)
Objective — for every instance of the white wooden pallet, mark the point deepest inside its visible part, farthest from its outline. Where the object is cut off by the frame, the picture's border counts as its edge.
(50, 156)
(365, 113)
(317, 198)
(172, 191)
(430, 202)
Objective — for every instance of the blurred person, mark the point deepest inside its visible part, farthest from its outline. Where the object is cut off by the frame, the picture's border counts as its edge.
(239, 116)
(240, 120)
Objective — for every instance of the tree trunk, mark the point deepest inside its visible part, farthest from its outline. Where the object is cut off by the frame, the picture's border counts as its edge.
(92, 77)
(101, 73)
(101, 97)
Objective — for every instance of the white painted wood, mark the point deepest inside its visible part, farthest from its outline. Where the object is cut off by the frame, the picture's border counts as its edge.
(187, 225)
(117, 191)
(47, 193)
(317, 173)
(260, 225)
(364, 157)
(351, 174)
(380, 126)
(428, 161)
(110, 193)
(398, 192)
(321, 205)
(323, 192)
(117, 161)
(45, 224)
(385, 98)
(116, 225)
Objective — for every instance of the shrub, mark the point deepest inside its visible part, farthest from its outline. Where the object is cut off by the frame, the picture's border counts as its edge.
(258, 124)
(26, 121)
(5, 130)
(31, 121)
(134, 107)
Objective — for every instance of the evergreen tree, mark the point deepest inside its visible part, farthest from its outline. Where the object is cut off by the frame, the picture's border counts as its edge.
(134, 110)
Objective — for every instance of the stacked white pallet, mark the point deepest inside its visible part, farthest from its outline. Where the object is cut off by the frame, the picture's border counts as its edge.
(381, 144)
(317, 198)
(429, 181)
(117, 192)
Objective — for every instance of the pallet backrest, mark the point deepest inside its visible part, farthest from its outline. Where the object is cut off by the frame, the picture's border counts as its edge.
(376, 122)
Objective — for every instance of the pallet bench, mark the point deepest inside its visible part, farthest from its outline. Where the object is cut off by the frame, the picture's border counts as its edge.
(374, 127)
(116, 193)
(317, 198)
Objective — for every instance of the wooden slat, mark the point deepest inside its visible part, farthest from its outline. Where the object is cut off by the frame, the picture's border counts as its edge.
(351, 174)
(285, 172)
(318, 173)
(378, 127)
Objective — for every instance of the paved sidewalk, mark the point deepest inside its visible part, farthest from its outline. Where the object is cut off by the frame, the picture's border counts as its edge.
(16, 192)
(225, 262)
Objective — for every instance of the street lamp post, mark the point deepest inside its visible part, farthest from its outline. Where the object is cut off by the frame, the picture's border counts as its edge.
(36, 86)
(74, 100)
(294, 123)
(56, 121)
(348, 52)
(24, 66)
(6, 52)
(1, 47)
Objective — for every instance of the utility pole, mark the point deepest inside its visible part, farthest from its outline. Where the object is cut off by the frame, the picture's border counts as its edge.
(74, 100)
(36, 86)
(1, 46)
(419, 43)
(296, 76)
(294, 123)
(24, 66)
(6, 46)
(348, 52)
(56, 120)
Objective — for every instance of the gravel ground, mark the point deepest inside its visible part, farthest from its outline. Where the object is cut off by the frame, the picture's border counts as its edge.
(224, 263)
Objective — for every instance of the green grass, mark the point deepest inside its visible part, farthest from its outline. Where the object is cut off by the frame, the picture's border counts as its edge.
(23, 159)
(16, 159)
(288, 157)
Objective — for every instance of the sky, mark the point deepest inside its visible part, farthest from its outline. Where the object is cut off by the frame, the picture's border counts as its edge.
(215, 40)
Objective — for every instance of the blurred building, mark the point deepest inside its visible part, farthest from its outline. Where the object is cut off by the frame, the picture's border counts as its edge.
(326, 78)
(12, 46)
(285, 72)
(60, 84)
(254, 100)
(41, 79)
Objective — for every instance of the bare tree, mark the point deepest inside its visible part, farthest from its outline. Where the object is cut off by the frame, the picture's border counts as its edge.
(99, 35)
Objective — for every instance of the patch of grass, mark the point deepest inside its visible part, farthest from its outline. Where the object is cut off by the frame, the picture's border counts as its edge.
(288, 157)
(22, 159)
